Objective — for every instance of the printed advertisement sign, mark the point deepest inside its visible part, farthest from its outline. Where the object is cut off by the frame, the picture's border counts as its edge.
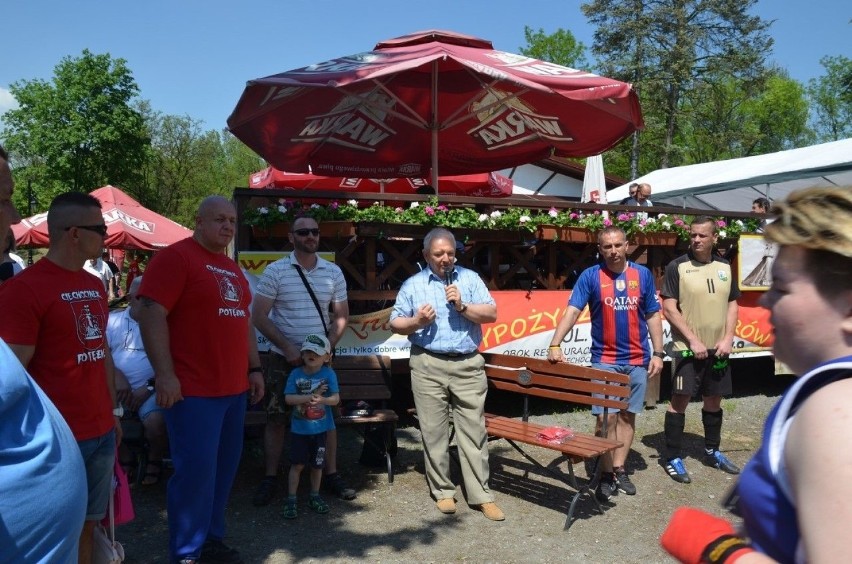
(524, 326)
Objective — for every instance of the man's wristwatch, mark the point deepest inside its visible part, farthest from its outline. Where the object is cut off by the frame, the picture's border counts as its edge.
(118, 411)
(660, 354)
(462, 309)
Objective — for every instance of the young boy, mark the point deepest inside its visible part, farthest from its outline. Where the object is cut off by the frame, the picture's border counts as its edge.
(312, 388)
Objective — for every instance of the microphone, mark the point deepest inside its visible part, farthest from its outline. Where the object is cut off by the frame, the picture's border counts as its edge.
(448, 279)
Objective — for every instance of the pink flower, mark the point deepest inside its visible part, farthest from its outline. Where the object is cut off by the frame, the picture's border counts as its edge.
(429, 210)
(607, 222)
(721, 224)
(622, 217)
(442, 208)
(333, 205)
(398, 210)
(574, 215)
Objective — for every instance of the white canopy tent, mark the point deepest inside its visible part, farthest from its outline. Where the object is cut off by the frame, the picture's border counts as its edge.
(733, 184)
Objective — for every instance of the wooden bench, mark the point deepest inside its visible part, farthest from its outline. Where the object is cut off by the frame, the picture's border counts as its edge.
(565, 382)
(361, 377)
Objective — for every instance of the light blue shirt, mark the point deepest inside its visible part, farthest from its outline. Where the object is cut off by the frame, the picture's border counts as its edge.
(301, 423)
(43, 492)
(451, 332)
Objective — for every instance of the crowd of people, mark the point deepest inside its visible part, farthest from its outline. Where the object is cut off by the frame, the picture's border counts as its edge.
(183, 358)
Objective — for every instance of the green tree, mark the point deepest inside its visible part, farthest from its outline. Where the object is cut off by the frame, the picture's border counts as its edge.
(178, 169)
(831, 99)
(560, 47)
(77, 131)
(669, 47)
(725, 117)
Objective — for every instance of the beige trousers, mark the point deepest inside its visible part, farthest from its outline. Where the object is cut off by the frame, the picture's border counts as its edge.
(439, 383)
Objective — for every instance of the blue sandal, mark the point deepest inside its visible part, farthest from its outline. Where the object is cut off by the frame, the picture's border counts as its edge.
(290, 511)
(317, 504)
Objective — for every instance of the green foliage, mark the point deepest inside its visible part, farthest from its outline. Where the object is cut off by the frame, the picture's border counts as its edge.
(78, 131)
(667, 49)
(728, 117)
(560, 47)
(831, 98)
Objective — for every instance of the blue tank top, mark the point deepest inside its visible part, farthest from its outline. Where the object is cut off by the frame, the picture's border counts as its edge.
(765, 503)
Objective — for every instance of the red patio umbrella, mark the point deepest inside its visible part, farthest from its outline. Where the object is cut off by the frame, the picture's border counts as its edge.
(490, 185)
(129, 225)
(430, 99)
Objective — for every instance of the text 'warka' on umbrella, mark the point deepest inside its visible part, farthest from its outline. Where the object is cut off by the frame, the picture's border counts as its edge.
(431, 101)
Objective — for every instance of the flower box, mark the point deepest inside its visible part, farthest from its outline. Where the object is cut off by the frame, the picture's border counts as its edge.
(660, 239)
(462, 234)
(328, 229)
(566, 234)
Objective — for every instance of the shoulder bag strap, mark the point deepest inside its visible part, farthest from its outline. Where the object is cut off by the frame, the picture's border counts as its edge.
(313, 297)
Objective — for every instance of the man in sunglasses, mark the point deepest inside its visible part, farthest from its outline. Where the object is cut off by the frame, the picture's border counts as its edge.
(285, 312)
(54, 320)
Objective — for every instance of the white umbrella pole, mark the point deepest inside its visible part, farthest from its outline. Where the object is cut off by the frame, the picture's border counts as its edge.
(434, 126)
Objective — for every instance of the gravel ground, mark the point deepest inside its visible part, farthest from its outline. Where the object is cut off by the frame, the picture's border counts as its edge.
(399, 523)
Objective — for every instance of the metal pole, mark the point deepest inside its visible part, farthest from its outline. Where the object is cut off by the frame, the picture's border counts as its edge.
(30, 206)
(434, 126)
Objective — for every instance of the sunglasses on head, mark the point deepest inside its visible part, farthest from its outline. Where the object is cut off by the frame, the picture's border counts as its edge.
(99, 229)
(305, 232)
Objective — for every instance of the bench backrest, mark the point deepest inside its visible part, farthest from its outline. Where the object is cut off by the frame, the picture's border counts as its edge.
(363, 377)
(561, 381)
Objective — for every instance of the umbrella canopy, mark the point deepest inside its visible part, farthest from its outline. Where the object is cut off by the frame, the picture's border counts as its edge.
(594, 181)
(490, 185)
(129, 225)
(430, 99)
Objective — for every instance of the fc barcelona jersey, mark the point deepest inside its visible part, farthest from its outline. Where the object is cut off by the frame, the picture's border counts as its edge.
(618, 306)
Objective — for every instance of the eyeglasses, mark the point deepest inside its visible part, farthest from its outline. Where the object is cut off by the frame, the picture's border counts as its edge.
(306, 232)
(130, 340)
(99, 229)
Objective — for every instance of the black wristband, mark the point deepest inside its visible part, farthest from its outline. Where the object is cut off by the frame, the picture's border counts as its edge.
(723, 548)
(659, 354)
(256, 369)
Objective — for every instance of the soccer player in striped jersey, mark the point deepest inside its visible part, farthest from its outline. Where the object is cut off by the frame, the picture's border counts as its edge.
(624, 310)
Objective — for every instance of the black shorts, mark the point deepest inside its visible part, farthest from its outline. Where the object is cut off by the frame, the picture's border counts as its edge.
(691, 376)
(308, 450)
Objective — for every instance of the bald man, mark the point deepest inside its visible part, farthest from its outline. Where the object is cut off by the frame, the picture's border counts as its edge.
(196, 328)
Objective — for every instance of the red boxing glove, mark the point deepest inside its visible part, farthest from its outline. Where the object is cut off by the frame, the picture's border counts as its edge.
(694, 536)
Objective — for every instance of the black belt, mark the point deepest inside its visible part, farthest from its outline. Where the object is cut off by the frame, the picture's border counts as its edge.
(444, 354)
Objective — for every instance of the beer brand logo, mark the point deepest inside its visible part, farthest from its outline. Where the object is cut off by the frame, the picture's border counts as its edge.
(528, 65)
(409, 168)
(344, 64)
(505, 121)
(116, 215)
(356, 123)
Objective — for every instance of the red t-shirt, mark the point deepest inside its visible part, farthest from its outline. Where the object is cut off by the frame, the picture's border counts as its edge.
(132, 272)
(64, 315)
(208, 300)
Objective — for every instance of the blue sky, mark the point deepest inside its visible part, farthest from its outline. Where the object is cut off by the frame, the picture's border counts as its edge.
(193, 57)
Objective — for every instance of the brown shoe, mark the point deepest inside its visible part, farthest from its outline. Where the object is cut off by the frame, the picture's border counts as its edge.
(446, 505)
(491, 511)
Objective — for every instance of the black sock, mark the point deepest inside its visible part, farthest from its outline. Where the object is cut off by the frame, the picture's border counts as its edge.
(712, 430)
(674, 434)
